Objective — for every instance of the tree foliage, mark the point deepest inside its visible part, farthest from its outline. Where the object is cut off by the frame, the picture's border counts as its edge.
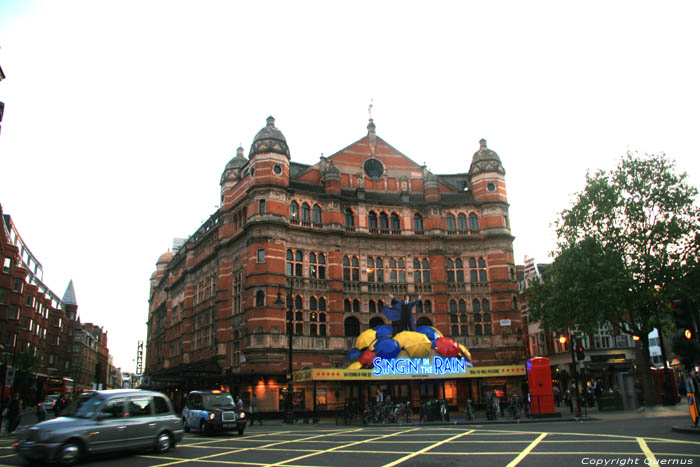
(626, 242)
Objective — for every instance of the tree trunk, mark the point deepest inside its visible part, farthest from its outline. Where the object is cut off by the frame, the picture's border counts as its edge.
(644, 370)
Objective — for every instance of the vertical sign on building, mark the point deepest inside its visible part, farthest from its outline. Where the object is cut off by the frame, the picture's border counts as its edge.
(139, 358)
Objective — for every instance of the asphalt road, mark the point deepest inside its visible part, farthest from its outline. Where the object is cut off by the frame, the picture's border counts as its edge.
(642, 440)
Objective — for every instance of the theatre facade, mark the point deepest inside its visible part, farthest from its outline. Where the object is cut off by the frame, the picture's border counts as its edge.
(332, 242)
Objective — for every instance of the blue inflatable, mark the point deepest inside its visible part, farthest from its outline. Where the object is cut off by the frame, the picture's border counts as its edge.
(430, 332)
(383, 331)
(354, 354)
(386, 347)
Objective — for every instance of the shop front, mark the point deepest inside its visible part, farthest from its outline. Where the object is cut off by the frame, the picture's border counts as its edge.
(416, 381)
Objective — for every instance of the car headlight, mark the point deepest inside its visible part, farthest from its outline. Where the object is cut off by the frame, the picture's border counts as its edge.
(241, 415)
(212, 416)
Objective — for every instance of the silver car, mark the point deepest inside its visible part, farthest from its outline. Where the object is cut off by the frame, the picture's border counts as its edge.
(101, 422)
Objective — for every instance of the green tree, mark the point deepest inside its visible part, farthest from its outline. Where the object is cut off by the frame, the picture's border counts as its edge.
(623, 247)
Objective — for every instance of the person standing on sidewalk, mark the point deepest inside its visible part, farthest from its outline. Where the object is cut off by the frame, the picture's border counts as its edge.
(253, 410)
(14, 414)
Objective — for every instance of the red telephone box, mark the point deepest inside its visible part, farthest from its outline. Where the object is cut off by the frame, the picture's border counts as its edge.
(539, 379)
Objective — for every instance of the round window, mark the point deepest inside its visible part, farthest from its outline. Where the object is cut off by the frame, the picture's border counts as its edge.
(277, 169)
(374, 168)
(491, 187)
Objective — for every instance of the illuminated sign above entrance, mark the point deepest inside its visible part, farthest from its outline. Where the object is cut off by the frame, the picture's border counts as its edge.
(420, 366)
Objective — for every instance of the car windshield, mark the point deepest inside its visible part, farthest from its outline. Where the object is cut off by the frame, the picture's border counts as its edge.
(222, 401)
(85, 407)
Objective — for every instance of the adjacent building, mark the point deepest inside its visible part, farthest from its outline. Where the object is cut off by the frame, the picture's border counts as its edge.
(321, 248)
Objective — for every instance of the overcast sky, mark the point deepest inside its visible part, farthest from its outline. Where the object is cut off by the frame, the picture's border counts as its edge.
(120, 116)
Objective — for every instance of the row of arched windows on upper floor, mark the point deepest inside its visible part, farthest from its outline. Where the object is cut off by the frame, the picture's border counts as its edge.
(456, 270)
(316, 262)
(351, 324)
(459, 223)
(305, 213)
(376, 306)
(391, 222)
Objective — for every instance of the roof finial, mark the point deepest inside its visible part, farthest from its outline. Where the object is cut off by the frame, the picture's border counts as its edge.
(371, 107)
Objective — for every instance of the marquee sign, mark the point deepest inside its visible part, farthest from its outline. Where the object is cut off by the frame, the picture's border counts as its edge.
(419, 366)
(431, 370)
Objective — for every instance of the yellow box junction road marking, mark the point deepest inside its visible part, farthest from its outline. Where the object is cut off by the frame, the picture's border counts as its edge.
(341, 447)
(432, 446)
(647, 452)
(234, 451)
(527, 450)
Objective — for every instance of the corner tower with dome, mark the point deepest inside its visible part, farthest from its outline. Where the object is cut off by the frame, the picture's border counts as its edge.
(336, 237)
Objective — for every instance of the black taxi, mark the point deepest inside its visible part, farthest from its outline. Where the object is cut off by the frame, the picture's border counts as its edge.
(212, 411)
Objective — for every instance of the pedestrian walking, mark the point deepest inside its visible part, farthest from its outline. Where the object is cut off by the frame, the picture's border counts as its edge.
(14, 414)
(40, 412)
(254, 411)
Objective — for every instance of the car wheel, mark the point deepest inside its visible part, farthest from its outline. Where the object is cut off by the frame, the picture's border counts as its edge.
(70, 453)
(184, 424)
(163, 443)
(240, 431)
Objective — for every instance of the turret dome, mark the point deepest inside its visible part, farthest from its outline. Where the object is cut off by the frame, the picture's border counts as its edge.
(269, 139)
(485, 160)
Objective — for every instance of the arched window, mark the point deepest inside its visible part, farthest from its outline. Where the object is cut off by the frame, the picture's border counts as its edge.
(356, 306)
(459, 269)
(313, 304)
(418, 223)
(317, 265)
(476, 306)
(380, 305)
(423, 321)
(453, 306)
(294, 211)
(473, 222)
(322, 304)
(473, 271)
(260, 298)
(383, 221)
(316, 324)
(395, 222)
(427, 306)
(450, 266)
(419, 307)
(355, 266)
(305, 212)
(372, 217)
(299, 302)
(462, 222)
(347, 305)
(379, 270)
(372, 306)
(317, 219)
(376, 321)
(290, 262)
(346, 268)
(352, 327)
(482, 270)
(370, 270)
(451, 224)
(349, 218)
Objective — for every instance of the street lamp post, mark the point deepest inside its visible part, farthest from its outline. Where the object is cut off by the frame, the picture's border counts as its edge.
(574, 373)
(289, 403)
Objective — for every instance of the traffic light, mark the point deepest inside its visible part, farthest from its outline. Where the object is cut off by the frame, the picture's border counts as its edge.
(580, 354)
(683, 317)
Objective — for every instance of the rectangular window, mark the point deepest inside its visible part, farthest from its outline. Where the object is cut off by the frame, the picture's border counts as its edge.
(261, 206)
(7, 265)
(17, 285)
(261, 256)
(3, 296)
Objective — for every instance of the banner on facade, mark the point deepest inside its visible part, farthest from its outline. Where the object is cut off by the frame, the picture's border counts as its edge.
(408, 370)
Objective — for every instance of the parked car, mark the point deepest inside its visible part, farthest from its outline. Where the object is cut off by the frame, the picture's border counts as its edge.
(50, 402)
(100, 422)
(210, 411)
